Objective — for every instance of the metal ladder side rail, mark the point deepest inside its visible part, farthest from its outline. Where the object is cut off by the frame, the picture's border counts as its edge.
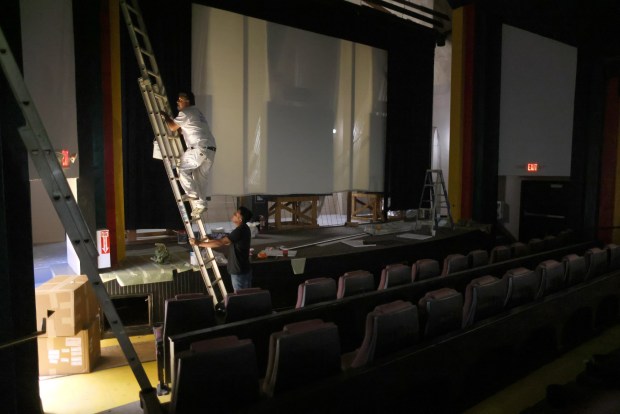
(437, 199)
(36, 141)
(170, 161)
(446, 201)
(440, 196)
(137, 31)
(156, 100)
(170, 145)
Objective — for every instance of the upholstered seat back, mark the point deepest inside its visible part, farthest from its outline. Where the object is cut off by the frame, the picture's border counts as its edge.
(522, 286)
(218, 375)
(389, 328)
(551, 273)
(477, 258)
(454, 263)
(183, 314)
(424, 269)
(316, 290)
(394, 275)
(613, 257)
(499, 254)
(484, 297)
(301, 353)
(353, 283)
(441, 311)
(574, 269)
(519, 249)
(247, 303)
(596, 262)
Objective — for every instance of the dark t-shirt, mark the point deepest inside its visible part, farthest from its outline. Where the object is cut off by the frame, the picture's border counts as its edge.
(239, 250)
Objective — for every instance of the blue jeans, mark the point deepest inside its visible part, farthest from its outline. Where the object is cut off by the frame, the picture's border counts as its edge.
(242, 281)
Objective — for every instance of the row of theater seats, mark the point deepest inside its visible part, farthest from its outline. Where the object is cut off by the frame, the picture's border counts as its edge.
(318, 290)
(255, 302)
(307, 351)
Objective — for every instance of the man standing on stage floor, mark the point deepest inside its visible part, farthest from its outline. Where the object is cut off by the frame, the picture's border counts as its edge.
(239, 251)
(200, 154)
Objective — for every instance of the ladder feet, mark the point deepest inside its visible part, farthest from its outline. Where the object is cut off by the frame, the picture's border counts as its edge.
(163, 389)
(220, 308)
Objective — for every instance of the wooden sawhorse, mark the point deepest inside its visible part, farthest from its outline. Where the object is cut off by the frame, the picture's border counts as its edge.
(301, 216)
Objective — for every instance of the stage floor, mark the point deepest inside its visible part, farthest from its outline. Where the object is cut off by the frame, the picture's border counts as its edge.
(50, 259)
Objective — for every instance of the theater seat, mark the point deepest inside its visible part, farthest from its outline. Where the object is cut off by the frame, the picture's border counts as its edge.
(551, 242)
(389, 328)
(316, 290)
(522, 286)
(356, 282)
(454, 263)
(499, 254)
(596, 262)
(247, 303)
(301, 353)
(184, 313)
(394, 275)
(477, 258)
(613, 257)
(215, 375)
(574, 269)
(424, 269)
(441, 311)
(519, 249)
(566, 237)
(536, 245)
(484, 297)
(551, 274)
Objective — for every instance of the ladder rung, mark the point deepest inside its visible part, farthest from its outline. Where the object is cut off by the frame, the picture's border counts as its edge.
(138, 31)
(131, 9)
(153, 74)
(210, 260)
(146, 52)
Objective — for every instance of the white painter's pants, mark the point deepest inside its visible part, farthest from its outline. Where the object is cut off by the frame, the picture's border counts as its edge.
(194, 173)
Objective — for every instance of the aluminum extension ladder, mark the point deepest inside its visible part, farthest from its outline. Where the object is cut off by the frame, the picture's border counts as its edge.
(43, 155)
(156, 101)
(434, 204)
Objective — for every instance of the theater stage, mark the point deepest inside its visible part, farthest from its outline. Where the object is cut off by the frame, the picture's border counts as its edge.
(330, 252)
(313, 252)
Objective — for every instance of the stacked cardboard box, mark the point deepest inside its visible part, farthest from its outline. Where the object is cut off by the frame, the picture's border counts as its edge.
(71, 344)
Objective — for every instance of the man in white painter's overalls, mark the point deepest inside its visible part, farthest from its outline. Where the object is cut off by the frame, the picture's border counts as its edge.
(200, 154)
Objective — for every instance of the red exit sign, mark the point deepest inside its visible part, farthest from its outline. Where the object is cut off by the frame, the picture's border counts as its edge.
(532, 167)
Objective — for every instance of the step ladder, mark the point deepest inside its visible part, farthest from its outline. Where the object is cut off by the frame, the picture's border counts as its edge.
(169, 142)
(434, 204)
(43, 155)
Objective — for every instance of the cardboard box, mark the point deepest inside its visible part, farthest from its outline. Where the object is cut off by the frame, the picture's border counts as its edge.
(72, 301)
(76, 354)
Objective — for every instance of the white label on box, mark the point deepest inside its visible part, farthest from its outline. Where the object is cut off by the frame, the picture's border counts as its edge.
(53, 355)
(76, 351)
(64, 360)
(73, 341)
(76, 361)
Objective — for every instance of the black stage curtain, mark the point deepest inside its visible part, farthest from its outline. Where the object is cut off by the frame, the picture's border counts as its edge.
(89, 103)
(149, 202)
(20, 377)
(409, 122)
